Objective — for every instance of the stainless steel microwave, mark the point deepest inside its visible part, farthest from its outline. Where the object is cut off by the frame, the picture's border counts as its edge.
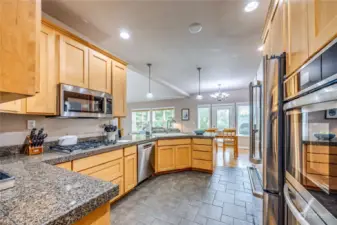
(78, 102)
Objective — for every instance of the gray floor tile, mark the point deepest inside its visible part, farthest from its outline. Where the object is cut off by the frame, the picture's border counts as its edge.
(234, 211)
(200, 220)
(224, 197)
(214, 222)
(210, 211)
(241, 222)
(227, 220)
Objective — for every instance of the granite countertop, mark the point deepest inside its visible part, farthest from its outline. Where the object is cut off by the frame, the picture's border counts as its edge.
(332, 142)
(46, 194)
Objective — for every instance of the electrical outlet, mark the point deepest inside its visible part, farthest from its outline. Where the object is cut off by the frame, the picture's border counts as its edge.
(31, 124)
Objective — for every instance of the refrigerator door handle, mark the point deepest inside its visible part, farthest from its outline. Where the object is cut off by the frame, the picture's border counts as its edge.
(297, 214)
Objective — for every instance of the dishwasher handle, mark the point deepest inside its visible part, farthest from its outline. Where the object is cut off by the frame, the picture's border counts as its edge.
(298, 215)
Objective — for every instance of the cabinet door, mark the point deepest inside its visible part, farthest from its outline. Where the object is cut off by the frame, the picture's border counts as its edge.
(166, 158)
(119, 89)
(45, 101)
(297, 38)
(19, 29)
(130, 172)
(120, 182)
(277, 31)
(266, 44)
(73, 62)
(183, 156)
(11, 107)
(322, 15)
(99, 72)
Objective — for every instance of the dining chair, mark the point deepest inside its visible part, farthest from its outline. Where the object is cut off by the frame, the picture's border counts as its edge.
(230, 139)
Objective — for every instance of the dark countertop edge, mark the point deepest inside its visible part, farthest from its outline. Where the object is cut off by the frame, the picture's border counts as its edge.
(85, 209)
(69, 157)
(325, 143)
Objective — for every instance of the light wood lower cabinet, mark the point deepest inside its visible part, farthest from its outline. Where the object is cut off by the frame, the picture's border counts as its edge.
(120, 182)
(130, 172)
(166, 158)
(100, 216)
(182, 156)
(66, 165)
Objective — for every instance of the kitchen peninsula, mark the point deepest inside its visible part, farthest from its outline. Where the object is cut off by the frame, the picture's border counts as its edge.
(46, 194)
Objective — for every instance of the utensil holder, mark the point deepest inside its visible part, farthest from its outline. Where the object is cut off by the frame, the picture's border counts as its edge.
(36, 150)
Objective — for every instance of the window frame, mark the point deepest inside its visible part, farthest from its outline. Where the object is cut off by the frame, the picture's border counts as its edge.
(209, 106)
(135, 111)
(237, 105)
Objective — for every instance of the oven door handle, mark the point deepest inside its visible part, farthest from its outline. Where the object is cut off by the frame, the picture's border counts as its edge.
(300, 219)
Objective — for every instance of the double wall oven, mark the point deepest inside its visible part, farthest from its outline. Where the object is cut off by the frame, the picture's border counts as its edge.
(310, 123)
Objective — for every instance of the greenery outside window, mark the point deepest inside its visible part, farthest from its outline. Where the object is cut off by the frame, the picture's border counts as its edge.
(204, 115)
(140, 119)
(161, 116)
(242, 119)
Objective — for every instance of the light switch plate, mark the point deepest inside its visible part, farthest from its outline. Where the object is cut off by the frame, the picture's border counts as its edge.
(31, 124)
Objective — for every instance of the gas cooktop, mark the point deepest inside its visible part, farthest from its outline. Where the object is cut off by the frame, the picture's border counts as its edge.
(81, 146)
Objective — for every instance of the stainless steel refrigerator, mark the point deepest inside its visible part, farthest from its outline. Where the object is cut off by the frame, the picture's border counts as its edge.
(267, 138)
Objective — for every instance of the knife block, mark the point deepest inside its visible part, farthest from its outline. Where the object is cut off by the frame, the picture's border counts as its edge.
(30, 150)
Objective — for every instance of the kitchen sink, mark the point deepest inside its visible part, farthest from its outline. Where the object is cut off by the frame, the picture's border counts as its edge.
(123, 141)
(168, 134)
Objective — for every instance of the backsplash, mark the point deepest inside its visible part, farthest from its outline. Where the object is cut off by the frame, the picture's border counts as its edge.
(13, 128)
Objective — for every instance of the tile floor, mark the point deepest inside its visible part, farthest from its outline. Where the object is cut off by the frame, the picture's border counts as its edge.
(191, 198)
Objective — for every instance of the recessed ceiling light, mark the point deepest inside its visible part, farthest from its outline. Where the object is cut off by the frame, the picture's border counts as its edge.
(260, 49)
(124, 34)
(195, 28)
(251, 6)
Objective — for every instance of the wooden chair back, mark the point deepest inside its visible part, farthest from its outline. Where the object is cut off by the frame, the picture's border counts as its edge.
(211, 130)
(229, 132)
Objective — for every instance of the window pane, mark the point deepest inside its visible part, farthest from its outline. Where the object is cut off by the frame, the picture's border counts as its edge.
(222, 119)
(161, 116)
(203, 118)
(243, 119)
(140, 119)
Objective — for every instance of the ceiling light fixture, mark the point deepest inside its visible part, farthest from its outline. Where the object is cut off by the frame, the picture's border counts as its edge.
(260, 49)
(125, 35)
(251, 6)
(195, 28)
(219, 96)
(149, 95)
(199, 96)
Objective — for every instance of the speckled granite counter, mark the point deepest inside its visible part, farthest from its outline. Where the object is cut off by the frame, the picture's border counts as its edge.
(332, 142)
(45, 194)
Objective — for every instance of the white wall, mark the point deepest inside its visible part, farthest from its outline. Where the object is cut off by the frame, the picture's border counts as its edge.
(236, 96)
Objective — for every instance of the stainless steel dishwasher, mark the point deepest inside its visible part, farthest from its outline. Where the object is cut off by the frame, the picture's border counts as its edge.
(145, 160)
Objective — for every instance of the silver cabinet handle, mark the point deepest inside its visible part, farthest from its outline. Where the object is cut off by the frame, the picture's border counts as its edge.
(300, 219)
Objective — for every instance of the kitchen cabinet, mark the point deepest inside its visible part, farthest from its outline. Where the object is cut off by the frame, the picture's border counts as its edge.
(66, 165)
(183, 156)
(11, 107)
(266, 45)
(120, 182)
(100, 216)
(130, 172)
(73, 59)
(119, 89)
(19, 37)
(203, 157)
(322, 23)
(99, 72)
(297, 34)
(166, 158)
(44, 102)
(277, 31)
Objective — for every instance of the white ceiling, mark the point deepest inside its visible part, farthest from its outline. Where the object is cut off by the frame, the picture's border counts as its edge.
(226, 48)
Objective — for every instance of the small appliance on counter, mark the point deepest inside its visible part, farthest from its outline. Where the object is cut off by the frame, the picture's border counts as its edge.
(35, 142)
(6, 181)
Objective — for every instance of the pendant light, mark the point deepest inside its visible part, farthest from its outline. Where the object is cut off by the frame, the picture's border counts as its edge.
(149, 95)
(199, 96)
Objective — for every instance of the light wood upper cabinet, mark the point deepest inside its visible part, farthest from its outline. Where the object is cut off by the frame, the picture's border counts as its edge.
(130, 172)
(166, 158)
(183, 156)
(322, 16)
(297, 34)
(45, 101)
(277, 31)
(99, 72)
(73, 62)
(119, 89)
(19, 32)
(11, 107)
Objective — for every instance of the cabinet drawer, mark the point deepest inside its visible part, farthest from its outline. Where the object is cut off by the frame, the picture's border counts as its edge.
(202, 141)
(321, 158)
(322, 169)
(85, 163)
(174, 142)
(202, 155)
(202, 164)
(203, 148)
(107, 172)
(130, 150)
(120, 182)
(321, 149)
(66, 165)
